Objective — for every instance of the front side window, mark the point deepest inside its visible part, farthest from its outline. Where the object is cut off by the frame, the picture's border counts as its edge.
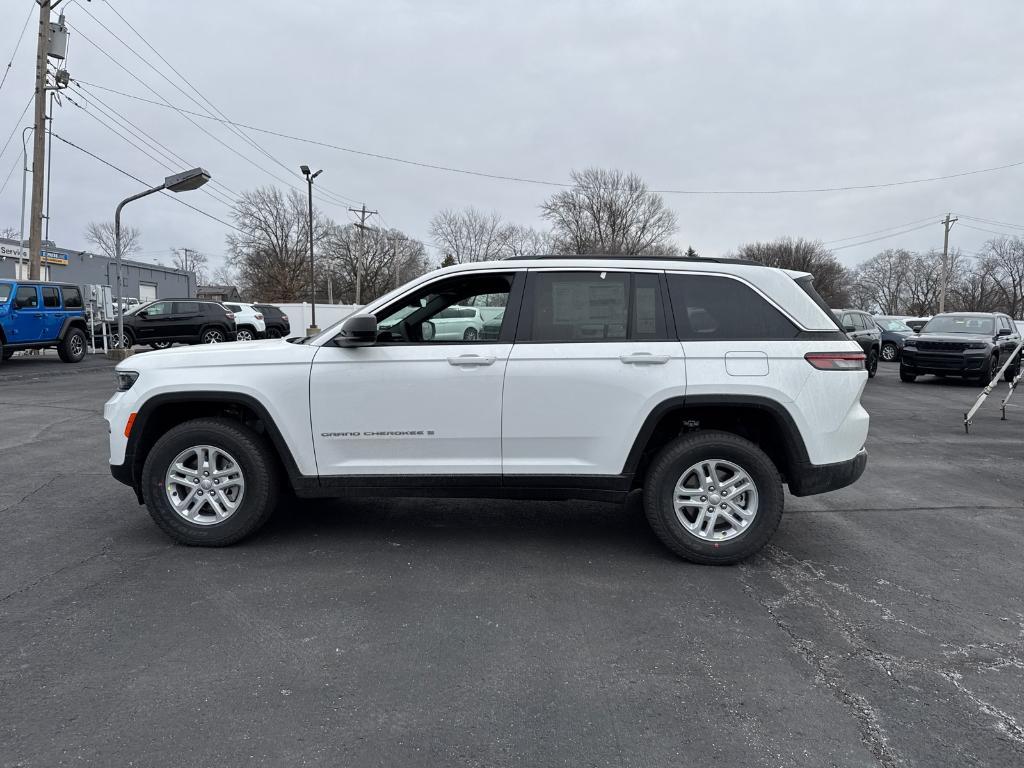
(72, 297)
(158, 309)
(5, 292)
(51, 297)
(716, 308)
(447, 312)
(27, 297)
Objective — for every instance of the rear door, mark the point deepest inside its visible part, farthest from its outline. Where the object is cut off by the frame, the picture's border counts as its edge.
(188, 317)
(53, 312)
(594, 353)
(26, 315)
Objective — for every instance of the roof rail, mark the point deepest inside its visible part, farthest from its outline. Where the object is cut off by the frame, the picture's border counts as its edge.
(638, 257)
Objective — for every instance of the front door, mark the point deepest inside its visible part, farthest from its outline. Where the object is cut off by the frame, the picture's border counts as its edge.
(27, 315)
(154, 322)
(413, 404)
(593, 351)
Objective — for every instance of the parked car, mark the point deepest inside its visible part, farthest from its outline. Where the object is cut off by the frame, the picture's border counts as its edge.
(457, 322)
(492, 327)
(249, 322)
(861, 327)
(42, 315)
(973, 345)
(894, 333)
(164, 322)
(708, 420)
(278, 325)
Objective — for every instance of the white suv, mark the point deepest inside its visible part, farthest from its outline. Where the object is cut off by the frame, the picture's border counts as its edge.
(707, 383)
(249, 322)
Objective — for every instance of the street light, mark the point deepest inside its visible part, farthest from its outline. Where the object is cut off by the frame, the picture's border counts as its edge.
(312, 330)
(185, 181)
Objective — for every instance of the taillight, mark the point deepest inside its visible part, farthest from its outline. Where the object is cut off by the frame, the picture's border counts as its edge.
(836, 361)
(259, 316)
(230, 315)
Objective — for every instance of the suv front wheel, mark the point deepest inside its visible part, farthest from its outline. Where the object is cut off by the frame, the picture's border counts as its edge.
(209, 482)
(713, 497)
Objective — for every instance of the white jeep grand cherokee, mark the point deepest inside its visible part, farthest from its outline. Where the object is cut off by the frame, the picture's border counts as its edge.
(707, 383)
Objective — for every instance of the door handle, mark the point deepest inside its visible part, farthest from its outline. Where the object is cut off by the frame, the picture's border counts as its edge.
(643, 358)
(470, 360)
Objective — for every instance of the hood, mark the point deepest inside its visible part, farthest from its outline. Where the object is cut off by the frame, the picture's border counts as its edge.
(237, 353)
(953, 337)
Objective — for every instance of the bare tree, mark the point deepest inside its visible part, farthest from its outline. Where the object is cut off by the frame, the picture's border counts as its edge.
(881, 281)
(608, 211)
(924, 283)
(270, 253)
(101, 234)
(830, 277)
(525, 241)
(10, 233)
(1004, 257)
(386, 258)
(191, 260)
(469, 235)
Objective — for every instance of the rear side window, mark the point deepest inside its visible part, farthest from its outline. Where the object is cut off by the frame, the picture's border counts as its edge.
(186, 308)
(72, 297)
(806, 284)
(26, 298)
(51, 297)
(713, 308)
(233, 307)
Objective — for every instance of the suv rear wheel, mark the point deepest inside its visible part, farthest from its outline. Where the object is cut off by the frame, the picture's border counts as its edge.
(72, 347)
(213, 336)
(872, 363)
(209, 482)
(713, 497)
(245, 334)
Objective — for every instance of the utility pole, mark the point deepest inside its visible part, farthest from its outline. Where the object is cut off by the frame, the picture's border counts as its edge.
(946, 224)
(363, 216)
(51, 42)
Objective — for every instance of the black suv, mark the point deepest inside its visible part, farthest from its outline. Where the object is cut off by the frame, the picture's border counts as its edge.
(862, 328)
(177, 321)
(277, 322)
(969, 344)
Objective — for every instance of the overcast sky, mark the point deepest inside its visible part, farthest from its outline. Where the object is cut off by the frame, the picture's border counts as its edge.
(696, 96)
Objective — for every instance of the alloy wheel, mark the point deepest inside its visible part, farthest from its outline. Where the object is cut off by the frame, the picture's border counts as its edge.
(889, 352)
(243, 335)
(715, 500)
(204, 484)
(213, 336)
(77, 345)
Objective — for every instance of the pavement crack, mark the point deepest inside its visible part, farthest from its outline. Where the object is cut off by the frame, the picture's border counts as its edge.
(33, 492)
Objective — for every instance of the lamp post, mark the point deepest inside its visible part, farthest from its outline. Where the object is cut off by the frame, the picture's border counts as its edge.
(312, 330)
(179, 182)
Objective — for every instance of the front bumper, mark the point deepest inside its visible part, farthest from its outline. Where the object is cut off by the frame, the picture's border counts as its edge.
(953, 363)
(810, 479)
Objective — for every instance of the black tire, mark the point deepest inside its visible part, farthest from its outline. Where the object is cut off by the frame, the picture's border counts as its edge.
(872, 363)
(907, 375)
(672, 462)
(207, 336)
(5, 354)
(129, 340)
(254, 458)
(989, 371)
(273, 333)
(890, 352)
(72, 347)
(470, 334)
(245, 333)
(1011, 372)
(162, 344)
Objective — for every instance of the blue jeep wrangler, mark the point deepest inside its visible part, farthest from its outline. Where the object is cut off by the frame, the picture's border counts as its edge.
(38, 315)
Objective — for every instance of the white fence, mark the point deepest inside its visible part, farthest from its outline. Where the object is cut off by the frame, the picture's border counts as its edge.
(301, 315)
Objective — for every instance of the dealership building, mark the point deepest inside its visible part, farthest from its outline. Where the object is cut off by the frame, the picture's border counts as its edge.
(141, 280)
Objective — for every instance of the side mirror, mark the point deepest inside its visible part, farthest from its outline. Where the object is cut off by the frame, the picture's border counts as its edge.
(1004, 332)
(428, 330)
(144, 313)
(849, 328)
(357, 331)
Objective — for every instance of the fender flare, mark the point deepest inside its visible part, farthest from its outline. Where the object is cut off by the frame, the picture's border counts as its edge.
(70, 322)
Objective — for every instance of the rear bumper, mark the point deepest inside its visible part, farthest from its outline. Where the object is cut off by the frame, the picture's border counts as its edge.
(810, 479)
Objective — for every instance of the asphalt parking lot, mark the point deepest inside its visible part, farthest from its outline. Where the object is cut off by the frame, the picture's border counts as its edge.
(884, 625)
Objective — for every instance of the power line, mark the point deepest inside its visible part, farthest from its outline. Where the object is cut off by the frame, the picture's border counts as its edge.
(562, 184)
(140, 181)
(883, 237)
(236, 130)
(877, 231)
(17, 45)
(9, 174)
(991, 221)
(990, 231)
(16, 124)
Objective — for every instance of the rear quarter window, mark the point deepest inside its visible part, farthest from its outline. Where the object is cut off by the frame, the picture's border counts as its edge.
(72, 297)
(716, 308)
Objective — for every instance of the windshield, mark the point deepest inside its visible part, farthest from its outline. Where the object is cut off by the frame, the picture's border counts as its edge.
(5, 292)
(983, 326)
(888, 324)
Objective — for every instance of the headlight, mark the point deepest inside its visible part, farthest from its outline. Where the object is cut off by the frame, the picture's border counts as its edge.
(125, 379)
(910, 342)
(978, 345)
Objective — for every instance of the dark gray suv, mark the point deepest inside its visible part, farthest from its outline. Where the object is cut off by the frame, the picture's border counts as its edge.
(973, 345)
(862, 328)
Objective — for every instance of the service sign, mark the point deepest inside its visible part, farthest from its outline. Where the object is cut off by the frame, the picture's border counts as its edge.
(13, 252)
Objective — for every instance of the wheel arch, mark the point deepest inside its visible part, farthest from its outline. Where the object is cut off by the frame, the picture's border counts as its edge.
(761, 420)
(161, 412)
(73, 322)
